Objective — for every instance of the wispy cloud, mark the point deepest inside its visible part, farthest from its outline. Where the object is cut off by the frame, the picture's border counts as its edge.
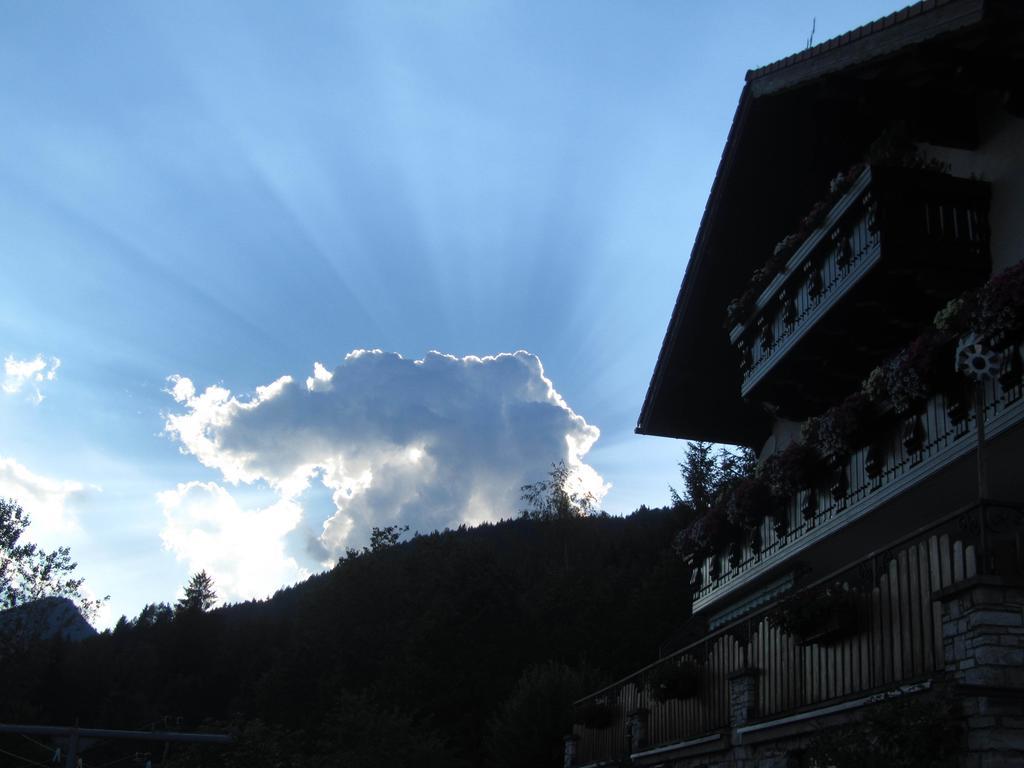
(51, 503)
(54, 507)
(30, 374)
(436, 442)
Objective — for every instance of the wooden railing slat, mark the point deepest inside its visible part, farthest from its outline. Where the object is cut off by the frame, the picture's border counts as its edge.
(945, 564)
(898, 638)
(924, 599)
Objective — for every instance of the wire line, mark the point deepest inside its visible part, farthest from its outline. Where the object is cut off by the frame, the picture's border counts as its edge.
(23, 759)
(114, 762)
(38, 744)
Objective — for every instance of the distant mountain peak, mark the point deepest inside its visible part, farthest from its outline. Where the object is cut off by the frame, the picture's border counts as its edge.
(45, 619)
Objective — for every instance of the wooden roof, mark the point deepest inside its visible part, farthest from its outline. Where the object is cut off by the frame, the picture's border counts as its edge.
(800, 120)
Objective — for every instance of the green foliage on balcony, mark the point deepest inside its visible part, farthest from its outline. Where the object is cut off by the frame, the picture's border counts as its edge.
(823, 615)
(674, 680)
(898, 732)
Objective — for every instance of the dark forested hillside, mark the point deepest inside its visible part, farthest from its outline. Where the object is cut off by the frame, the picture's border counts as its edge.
(419, 653)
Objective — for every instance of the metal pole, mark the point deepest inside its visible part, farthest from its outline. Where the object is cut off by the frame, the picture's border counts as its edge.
(979, 417)
(73, 733)
(107, 733)
(70, 761)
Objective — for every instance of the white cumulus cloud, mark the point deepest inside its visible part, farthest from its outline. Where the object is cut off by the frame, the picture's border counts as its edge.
(31, 373)
(51, 503)
(430, 443)
(243, 550)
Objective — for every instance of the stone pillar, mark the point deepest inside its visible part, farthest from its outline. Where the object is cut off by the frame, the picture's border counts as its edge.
(983, 648)
(569, 759)
(743, 696)
(637, 729)
(983, 633)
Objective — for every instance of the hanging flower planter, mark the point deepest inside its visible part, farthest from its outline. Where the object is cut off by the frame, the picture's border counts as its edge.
(740, 308)
(953, 318)
(790, 470)
(674, 681)
(735, 553)
(913, 434)
(959, 410)
(756, 539)
(837, 627)
(998, 307)
(874, 462)
(748, 502)
(696, 577)
(1012, 370)
(842, 429)
(886, 151)
(794, 469)
(905, 381)
(706, 536)
(715, 566)
(809, 504)
(838, 482)
(780, 521)
(823, 616)
(597, 715)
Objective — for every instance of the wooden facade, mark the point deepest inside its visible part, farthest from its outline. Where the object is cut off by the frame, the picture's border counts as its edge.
(898, 566)
(905, 451)
(900, 243)
(894, 636)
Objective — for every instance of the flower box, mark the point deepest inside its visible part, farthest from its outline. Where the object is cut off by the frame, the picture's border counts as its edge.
(822, 615)
(674, 680)
(596, 714)
(881, 238)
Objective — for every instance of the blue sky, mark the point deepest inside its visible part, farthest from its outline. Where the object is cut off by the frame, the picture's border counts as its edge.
(231, 193)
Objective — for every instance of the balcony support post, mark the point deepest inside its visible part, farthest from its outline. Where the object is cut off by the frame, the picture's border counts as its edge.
(637, 727)
(569, 759)
(979, 416)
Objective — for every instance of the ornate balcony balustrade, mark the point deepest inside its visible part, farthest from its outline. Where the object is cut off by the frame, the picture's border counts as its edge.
(890, 634)
(889, 254)
(904, 451)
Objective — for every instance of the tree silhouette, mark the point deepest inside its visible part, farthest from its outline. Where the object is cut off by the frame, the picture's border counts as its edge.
(153, 614)
(707, 470)
(199, 595)
(29, 573)
(529, 727)
(388, 536)
(425, 639)
(554, 498)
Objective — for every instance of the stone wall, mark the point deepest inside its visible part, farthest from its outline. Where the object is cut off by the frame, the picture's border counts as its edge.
(983, 638)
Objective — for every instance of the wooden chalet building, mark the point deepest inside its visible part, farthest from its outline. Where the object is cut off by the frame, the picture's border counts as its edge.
(852, 310)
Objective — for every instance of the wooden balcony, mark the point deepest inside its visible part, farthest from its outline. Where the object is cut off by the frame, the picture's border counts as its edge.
(893, 636)
(890, 253)
(909, 455)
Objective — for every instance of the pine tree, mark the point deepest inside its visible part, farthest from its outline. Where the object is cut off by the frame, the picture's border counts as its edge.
(199, 595)
(707, 470)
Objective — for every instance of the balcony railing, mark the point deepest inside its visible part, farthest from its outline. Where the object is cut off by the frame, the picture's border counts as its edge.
(904, 452)
(904, 239)
(893, 636)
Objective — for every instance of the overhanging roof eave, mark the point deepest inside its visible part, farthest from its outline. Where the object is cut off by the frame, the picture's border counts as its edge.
(878, 40)
(869, 42)
(645, 424)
